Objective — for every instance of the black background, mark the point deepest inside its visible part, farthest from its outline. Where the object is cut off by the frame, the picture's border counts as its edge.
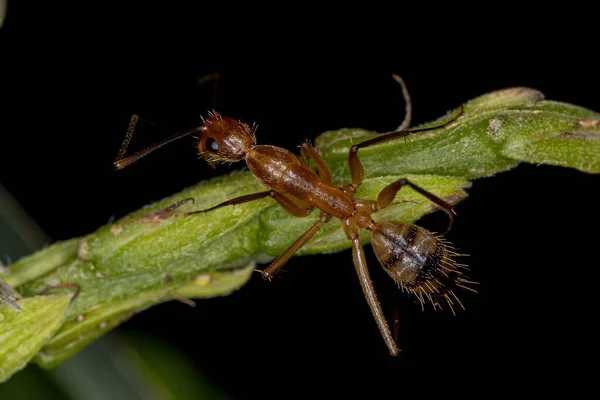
(73, 74)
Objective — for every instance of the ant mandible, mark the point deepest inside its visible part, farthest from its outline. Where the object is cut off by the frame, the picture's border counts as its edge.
(417, 260)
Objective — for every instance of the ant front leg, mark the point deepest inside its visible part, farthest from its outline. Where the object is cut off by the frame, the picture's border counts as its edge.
(236, 200)
(159, 215)
(309, 153)
(387, 195)
(293, 206)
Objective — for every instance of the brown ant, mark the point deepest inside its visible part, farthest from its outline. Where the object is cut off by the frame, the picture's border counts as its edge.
(416, 259)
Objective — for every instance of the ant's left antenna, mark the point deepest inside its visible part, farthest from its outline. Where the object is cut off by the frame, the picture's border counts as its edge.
(122, 162)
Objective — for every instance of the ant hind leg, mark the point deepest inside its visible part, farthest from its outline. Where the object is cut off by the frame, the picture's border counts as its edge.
(356, 169)
(387, 195)
(360, 263)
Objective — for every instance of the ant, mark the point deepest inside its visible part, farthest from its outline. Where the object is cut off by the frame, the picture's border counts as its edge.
(419, 261)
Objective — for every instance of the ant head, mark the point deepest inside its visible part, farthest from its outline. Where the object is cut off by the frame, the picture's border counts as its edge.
(224, 139)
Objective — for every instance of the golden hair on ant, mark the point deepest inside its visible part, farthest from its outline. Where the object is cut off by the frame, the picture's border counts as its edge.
(224, 139)
(420, 262)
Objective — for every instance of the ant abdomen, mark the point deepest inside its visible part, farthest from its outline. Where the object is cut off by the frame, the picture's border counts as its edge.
(418, 260)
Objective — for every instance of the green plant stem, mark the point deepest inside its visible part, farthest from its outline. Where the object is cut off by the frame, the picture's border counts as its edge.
(133, 263)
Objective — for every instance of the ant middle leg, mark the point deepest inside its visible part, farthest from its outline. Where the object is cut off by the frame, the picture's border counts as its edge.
(387, 195)
(292, 205)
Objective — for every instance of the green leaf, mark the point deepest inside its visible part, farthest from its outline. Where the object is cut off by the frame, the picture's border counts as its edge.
(8, 296)
(132, 264)
(43, 261)
(77, 333)
(23, 334)
(496, 132)
(551, 133)
(167, 370)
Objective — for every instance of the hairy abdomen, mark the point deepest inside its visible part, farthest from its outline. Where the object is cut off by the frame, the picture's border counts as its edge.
(419, 261)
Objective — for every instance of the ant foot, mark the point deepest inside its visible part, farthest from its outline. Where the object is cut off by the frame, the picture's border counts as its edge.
(266, 275)
(63, 286)
(393, 203)
(163, 213)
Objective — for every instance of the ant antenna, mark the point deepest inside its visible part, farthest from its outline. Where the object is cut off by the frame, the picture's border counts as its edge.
(122, 162)
(215, 77)
(408, 104)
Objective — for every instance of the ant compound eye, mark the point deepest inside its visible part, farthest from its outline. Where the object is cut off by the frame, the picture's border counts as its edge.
(212, 145)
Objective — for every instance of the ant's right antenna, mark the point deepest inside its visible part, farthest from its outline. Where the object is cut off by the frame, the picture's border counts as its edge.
(408, 104)
(122, 162)
(215, 77)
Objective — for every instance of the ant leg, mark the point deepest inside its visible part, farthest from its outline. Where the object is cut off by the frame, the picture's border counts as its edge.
(63, 286)
(274, 268)
(360, 263)
(163, 213)
(215, 77)
(356, 169)
(293, 206)
(303, 155)
(407, 104)
(396, 324)
(236, 200)
(308, 152)
(387, 195)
